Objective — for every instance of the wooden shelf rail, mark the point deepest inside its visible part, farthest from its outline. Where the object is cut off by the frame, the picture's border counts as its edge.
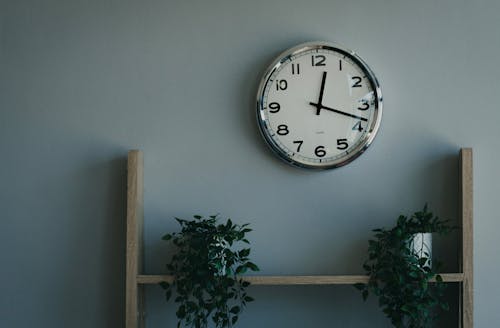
(296, 280)
(135, 281)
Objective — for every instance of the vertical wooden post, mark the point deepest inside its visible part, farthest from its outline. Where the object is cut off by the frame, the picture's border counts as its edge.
(466, 251)
(134, 317)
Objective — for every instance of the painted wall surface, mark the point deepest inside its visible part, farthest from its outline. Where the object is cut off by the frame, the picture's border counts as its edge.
(83, 81)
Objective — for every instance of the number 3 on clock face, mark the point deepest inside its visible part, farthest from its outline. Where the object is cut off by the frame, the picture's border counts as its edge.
(319, 106)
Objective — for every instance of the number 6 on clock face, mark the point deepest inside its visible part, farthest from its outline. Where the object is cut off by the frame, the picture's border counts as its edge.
(319, 106)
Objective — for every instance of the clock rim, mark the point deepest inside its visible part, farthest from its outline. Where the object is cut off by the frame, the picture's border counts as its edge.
(374, 126)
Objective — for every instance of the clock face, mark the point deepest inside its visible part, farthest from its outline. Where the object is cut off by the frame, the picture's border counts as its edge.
(319, 106)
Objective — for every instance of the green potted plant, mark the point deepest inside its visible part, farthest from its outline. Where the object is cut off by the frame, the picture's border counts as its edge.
(207, 271)
(400, 270)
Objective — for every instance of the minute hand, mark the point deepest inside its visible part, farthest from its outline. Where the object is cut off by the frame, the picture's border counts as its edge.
(339, 111)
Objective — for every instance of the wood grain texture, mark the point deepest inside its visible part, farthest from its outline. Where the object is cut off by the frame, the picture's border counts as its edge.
(466, 250)
(296, 280)
(134, 297)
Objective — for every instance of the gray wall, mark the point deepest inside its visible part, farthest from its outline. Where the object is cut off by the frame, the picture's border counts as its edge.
(81, 82)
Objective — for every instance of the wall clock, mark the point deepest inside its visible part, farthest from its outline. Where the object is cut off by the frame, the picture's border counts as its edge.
(319, 105)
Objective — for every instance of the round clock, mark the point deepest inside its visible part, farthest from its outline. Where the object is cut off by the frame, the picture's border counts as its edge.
(319, 105)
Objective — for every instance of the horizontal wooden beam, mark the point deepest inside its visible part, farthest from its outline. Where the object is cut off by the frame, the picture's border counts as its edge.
(296, 280)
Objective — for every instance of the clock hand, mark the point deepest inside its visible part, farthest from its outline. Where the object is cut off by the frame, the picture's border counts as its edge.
(320, 100)
(320, 106)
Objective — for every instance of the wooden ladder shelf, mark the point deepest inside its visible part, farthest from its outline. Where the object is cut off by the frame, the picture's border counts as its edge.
(135, 281)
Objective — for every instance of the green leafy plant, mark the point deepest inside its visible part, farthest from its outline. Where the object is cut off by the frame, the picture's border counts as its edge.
(400, 277)
(207, 272)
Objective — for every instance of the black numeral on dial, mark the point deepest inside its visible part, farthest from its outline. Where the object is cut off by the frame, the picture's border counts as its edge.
(342, 144)
(320, 151)
(357, 127)
(357, 82)
(295, 69)
(318, 60)
(274, 107)
(282, 130)
(281, 85)
(299, 142)
(364, 105)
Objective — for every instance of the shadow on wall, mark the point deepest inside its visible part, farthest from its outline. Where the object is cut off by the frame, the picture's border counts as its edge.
(96, 253)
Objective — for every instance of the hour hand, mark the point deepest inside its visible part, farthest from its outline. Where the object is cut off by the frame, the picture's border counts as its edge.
(320, 106)
(321, 91)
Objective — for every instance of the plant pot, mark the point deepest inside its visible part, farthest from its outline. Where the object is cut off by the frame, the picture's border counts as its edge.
(421, 245)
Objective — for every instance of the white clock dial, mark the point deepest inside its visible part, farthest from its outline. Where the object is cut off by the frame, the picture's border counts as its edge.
(319, 105)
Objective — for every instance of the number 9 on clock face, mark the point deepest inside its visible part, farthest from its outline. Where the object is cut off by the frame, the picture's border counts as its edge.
(319, 106)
